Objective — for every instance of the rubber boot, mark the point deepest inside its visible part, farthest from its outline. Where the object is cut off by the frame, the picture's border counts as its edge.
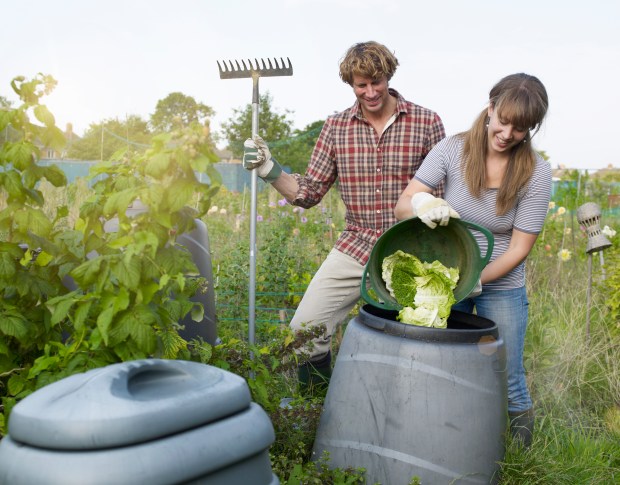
(314, 376)
(522, 426)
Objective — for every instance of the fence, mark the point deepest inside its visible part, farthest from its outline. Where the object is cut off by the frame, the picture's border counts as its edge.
(234, 176)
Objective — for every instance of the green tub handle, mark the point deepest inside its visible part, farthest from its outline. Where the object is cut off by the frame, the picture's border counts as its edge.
(488, 235)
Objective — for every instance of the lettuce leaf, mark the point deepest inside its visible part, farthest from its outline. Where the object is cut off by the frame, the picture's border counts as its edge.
(425, 290)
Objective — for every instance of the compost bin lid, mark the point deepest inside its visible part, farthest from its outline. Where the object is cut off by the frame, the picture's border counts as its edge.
(127, 403)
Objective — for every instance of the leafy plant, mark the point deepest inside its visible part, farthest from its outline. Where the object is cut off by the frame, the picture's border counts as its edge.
(75, 294)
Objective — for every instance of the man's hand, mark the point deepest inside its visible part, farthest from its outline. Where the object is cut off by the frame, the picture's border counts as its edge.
(432, 210)
(256, 156)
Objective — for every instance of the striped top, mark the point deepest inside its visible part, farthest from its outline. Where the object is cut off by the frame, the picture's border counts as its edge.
(528, 214)
(373, 169)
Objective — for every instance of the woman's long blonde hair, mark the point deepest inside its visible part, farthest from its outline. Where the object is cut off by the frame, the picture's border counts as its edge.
(522, 100)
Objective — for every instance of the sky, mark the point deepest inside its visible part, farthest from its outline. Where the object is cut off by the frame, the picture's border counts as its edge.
(115, 58)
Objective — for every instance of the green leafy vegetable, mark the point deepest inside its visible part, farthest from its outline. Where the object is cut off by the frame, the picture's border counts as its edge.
(425, 290)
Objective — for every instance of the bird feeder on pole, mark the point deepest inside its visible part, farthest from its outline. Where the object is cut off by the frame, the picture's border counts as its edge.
(589, 216)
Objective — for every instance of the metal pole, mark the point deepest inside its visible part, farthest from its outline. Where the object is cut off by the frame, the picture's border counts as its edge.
(253, 215)
(588, 297)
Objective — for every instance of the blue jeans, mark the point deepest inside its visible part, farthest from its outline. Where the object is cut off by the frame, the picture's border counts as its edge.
(508, 309)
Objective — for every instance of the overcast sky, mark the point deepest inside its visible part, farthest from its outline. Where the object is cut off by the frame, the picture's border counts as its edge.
(114, 58)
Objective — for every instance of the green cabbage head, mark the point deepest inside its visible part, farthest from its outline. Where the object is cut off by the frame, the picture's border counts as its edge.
(425, 290)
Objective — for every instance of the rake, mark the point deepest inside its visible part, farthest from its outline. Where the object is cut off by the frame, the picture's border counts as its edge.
(254, 70)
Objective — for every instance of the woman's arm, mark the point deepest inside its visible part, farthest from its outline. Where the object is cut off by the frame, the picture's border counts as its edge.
(403, 209)
(520, 246)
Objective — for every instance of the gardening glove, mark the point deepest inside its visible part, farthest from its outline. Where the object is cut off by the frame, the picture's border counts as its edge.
(256, 155)
(432, 210)
(476, 291)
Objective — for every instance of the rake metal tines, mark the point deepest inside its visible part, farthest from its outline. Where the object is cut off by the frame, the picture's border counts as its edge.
(258, 68)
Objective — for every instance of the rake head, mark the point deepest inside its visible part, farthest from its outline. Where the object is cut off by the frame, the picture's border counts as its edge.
(259, 68)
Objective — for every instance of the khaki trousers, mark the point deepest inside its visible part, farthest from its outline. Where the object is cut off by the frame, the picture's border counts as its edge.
(330, 296)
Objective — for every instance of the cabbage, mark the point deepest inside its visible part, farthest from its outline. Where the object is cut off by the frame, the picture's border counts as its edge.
(425, 290)
(421, 316)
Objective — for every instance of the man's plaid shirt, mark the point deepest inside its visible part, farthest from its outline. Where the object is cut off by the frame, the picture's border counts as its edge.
(372, 169)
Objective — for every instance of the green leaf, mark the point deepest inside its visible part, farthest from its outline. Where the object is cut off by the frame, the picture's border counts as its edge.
(20, 154)
(103, 323)
(13, 324)
(6, 117)
(16, 384)
(120, 242)
(43, 259)
(54, 175)
(60, 307)
(127, 270)
(157, 165)
(12, 183)
(138, 322)
(198, 312)
(44, 115)
(33, 220)
(118, 202)
(87, 272)
(43, 363)
(180, 194)
(172, 344)
(36, 196)
(7, 265)
(81, 314)
(52, 136)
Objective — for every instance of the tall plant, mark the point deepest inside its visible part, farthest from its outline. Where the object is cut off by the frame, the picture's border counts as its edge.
(76, 295)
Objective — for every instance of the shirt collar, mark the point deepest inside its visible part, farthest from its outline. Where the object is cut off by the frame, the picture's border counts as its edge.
(401, 105)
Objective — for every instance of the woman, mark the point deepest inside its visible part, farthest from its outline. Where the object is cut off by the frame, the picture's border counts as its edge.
(494, 178)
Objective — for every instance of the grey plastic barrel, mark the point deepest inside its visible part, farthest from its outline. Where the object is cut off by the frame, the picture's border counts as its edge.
(197, 243)
(143, 422)
(407, 401)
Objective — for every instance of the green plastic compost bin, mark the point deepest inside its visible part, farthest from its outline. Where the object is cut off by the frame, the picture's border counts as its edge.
(407, 401)
(143, 422)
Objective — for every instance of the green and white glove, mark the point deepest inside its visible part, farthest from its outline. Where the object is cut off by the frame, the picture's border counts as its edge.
(432, 210)
(256, 156)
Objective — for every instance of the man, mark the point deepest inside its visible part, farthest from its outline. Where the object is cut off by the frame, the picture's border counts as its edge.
(374, 148)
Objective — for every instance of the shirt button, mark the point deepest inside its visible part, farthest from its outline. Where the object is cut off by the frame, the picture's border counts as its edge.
(378, 212)
(378, 190)
(378, 170)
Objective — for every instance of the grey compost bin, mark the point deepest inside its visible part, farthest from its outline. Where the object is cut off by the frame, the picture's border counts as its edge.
(143, 422)
(409, 401)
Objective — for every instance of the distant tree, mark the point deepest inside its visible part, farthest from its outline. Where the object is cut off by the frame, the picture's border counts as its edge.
(295, 152)
(4, 103)
(101, 140)
(178, 110)
(272, 126)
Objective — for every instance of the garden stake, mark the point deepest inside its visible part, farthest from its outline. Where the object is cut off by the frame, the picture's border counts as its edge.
(254, 71)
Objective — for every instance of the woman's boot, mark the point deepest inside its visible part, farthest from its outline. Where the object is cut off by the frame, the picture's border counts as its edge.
(522, 426)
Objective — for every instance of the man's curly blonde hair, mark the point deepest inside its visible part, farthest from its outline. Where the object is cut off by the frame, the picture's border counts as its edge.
(367, 59)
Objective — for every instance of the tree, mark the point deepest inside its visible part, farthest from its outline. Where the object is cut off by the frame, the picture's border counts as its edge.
(178, 110)
(295, 152)
(102, 140)
(272, 126)
(4, 103)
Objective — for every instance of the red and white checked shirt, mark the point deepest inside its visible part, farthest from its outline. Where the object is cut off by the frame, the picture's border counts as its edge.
(373, 170)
